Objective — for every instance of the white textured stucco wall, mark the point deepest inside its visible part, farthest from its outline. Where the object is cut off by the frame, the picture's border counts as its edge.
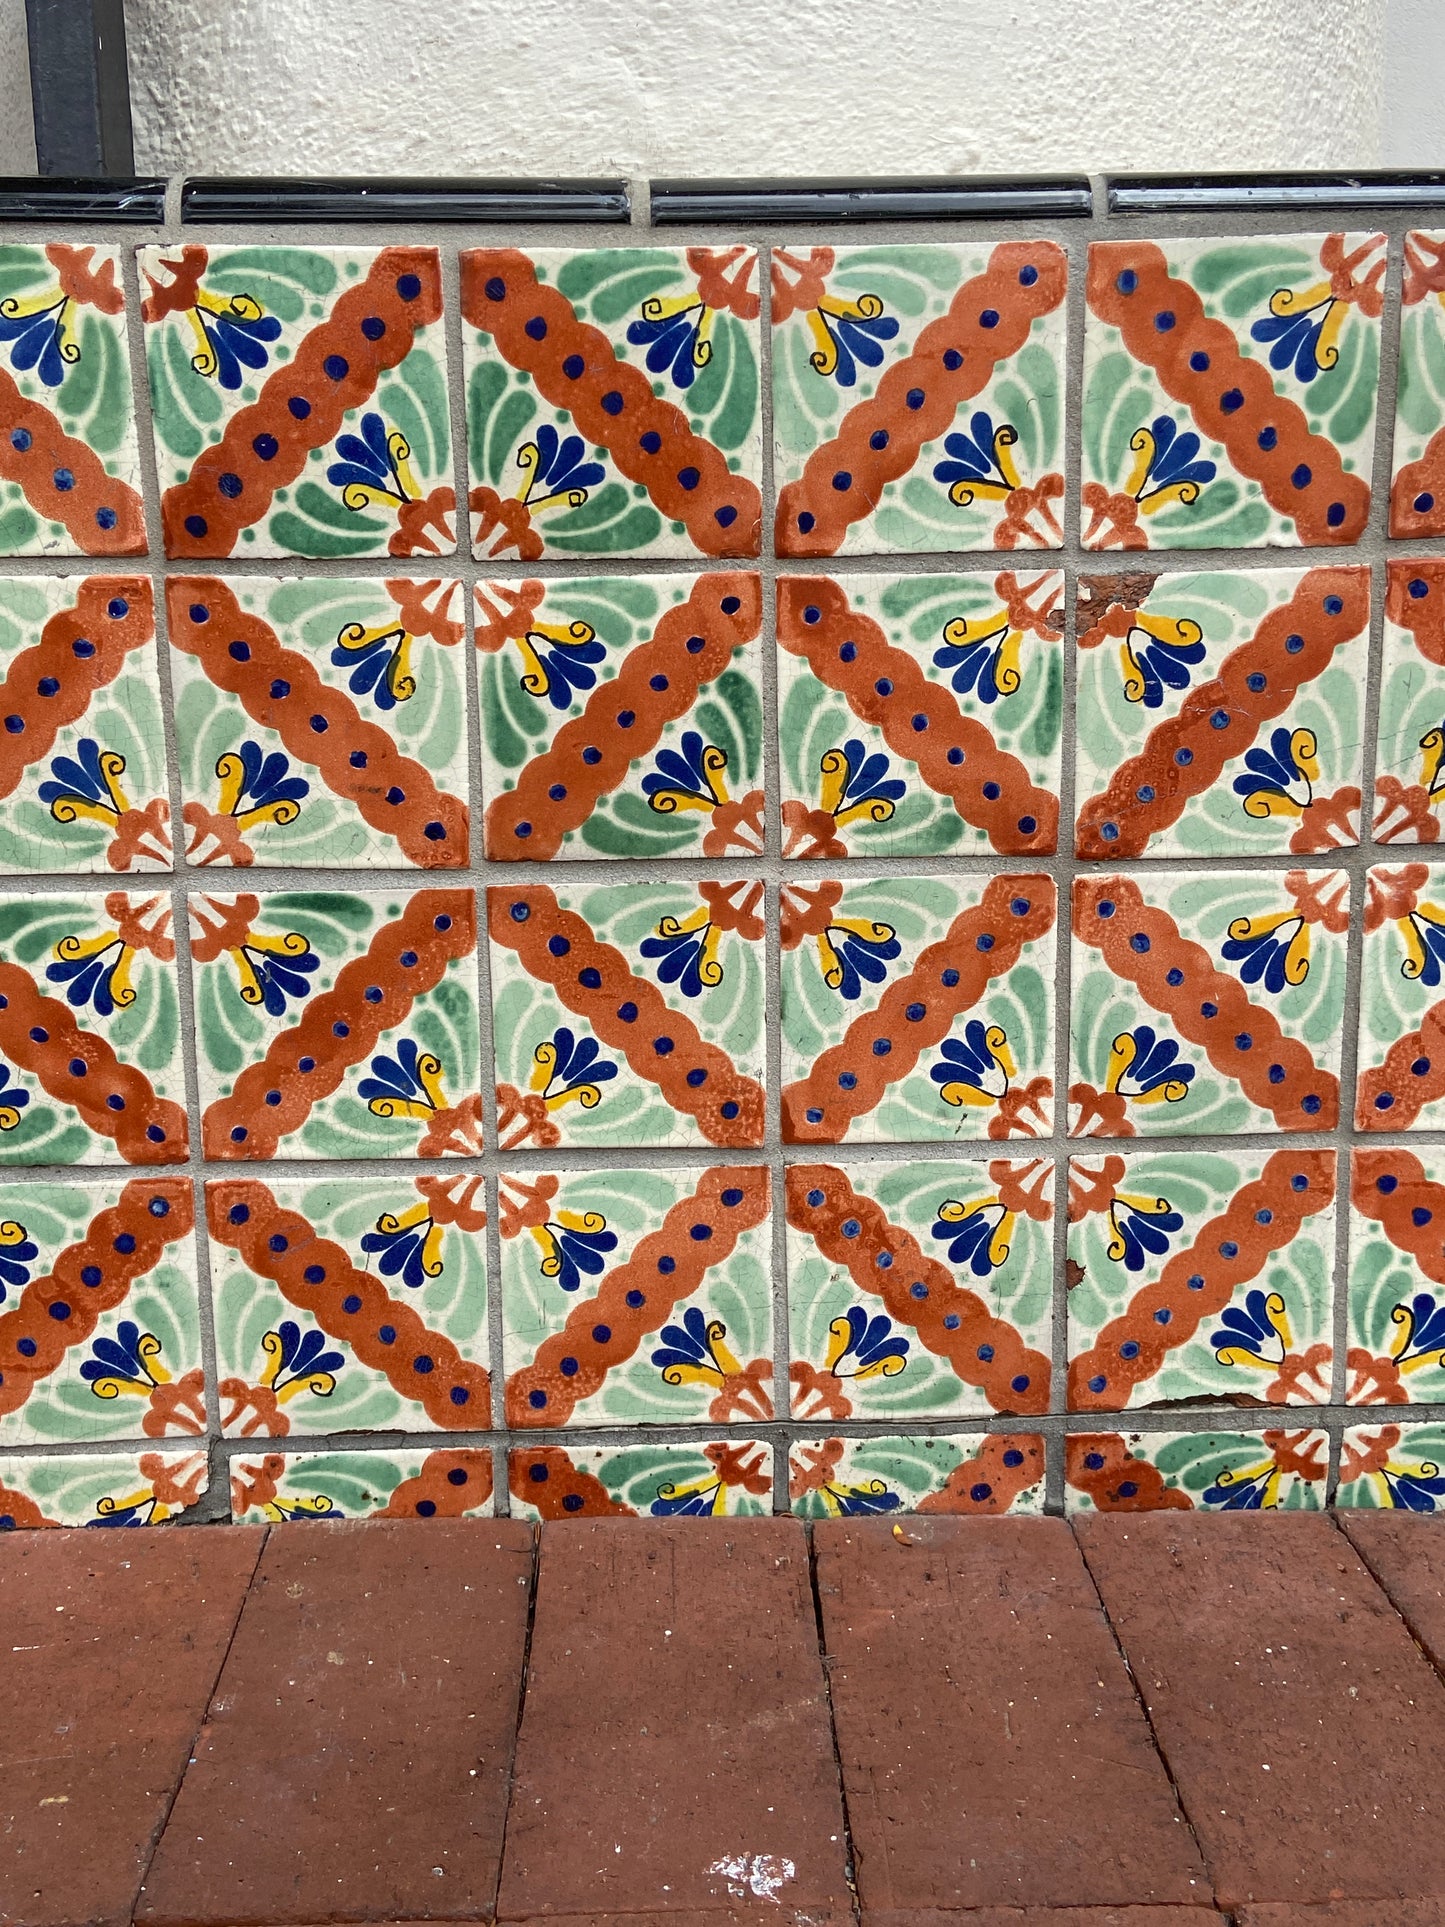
(754, 87)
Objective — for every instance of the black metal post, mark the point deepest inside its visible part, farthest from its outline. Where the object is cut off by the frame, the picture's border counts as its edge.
(80, 87)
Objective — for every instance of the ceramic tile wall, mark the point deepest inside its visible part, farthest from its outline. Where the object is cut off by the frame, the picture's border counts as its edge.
(920, 1006)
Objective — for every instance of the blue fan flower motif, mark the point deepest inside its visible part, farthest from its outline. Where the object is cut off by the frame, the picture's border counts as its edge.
(298, 1361)
(1414, 1488)
(1419, 1338)
(1423, 929)
(13, 1099)
(560, 659)
(259, 788)
(978, 1235)
(86, 785)
(703, 1498)
(693, 1353)
(141, 1509)
(1281, 778)
(40, 333)
(407, 1085)
(129, 1363)
(1159, 652)
(1247, 1488)
(981, 466)
(556, 470)
(855, 950)
(685, 950)
(858, 1498)
(1256, 1333)
(1140, 1228)
(676, 334)
(856, 784)
(408, 1245)
(573, 1243)
(18, 1251)
(1273, 949)
(863, 1347)
(846, 333)
(569, 1069)
(975, 1068)
(274, 969)
(689, 780)
(374, 467)
(1302, 328)
(1167, 467)
(1147, 1068)
(982, 655)
(379, 660)
(95, 971)
(230, 330)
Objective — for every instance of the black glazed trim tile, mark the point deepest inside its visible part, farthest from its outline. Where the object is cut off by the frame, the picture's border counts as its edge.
(674, 202)
(404, 200)
(1281, 193)
(43, 198)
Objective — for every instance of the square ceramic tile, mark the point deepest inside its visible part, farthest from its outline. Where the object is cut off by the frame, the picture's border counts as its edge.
(331, 1024)
(69, 465)
(119, 1488)
(299, 399)
(100, 1336)
(621, 716)
(1222, 713)
(1397, 1278)
(1229, 390)
(90, 1031)
(320, 720)
(332, 1315)
(919, 714)
(918, 397)
(1417, 492)
(628, 1013)
(1410, 759)
(919, 1290)
(1197, 1275)
(730, 1478)
(285, 1486)
(917, 1007)
(1402, 1005)
(638, 1297)
(1207, 1001)
(858, 1478)
(1399, 1466)
(613, 401)
(83, 782)
(1282, 1471)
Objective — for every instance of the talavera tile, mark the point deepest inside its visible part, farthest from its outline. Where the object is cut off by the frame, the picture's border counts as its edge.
(83, 782)
(101, 1332)
(1198, 1275)
(1401, 1069)
(1410, 759)
(850, 1478)
(628, 1013)
(299, 398)
(320, 721)
(622, 716)
(1392, 1466)
(1417, 492)
(920, 714)
(90, 1031)
(1207, 1001)
(1397, 1278)
(613, 401)
(638, 1297)
(917, 1007)
(117, 1488)
(919, 1290)
(918, 397)
(332, 1315)
(333, 1024)
(1229, 390)
(280, 1486)
(1281, 1470)
(1220, 713)
(69, 466)
(727, 1478)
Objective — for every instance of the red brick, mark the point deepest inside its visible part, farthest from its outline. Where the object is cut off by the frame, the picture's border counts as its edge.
(1262, 1643)
(1201, 1916)
(994, 1753)
(1406, 1553)
(114, 1642)
(676, 1725)
(1348, 1913)
(361, 1733)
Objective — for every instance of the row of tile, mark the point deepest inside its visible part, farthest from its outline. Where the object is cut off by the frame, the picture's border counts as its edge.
(299, 397)
(322, 722)
(336, 1024)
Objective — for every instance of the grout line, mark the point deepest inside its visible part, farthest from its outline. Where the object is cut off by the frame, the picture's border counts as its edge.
(825, 1663)
(524, 1678)
(1436, 1665)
